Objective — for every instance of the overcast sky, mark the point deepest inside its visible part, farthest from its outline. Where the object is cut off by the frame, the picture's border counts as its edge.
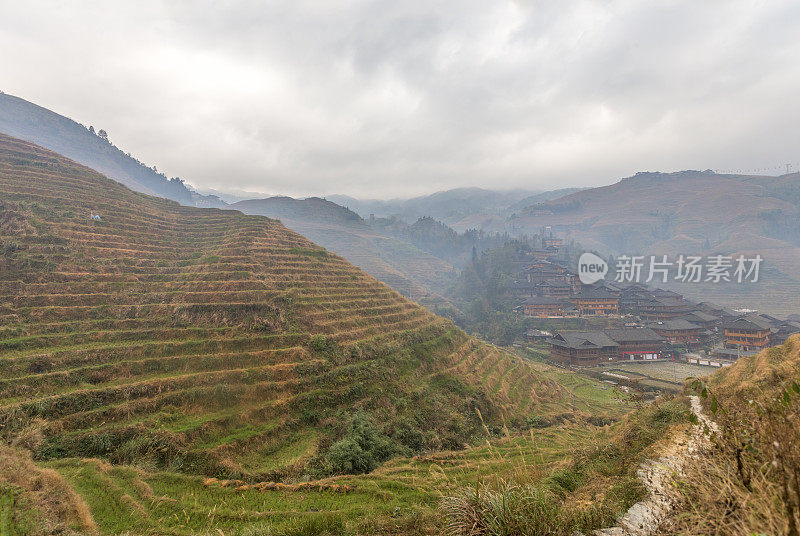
(392, 98)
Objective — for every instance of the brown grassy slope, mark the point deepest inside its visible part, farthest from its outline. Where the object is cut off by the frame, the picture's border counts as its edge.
(409, 270)
(748, 482)
(761, 375)
(211, 341)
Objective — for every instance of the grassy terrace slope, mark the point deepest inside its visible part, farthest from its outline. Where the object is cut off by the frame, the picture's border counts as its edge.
(211, 342)
(406, 268)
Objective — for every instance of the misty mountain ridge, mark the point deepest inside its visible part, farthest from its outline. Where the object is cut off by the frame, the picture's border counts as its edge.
(450, 206)
(687, 212)
(650, 212)
(282, 207)
(28, 121)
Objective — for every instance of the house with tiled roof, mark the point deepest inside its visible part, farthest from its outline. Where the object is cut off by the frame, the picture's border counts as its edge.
(591, 301)
(591, 348)
(637, 343)
(665, 308)
(706, 320)
(679, 330)
(749, 332)
(545, 306)
(582, 348)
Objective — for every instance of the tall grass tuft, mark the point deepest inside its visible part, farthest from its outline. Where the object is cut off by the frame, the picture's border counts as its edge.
(589, 490)
(510, 510)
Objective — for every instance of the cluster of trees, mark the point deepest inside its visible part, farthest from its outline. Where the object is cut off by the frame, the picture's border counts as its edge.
(483, 291)
(176, 182)
(363, 448)
(101, 134)
(438, 239)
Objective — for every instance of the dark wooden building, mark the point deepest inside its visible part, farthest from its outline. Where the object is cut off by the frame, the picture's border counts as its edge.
(631, 297)
(660, 309)
(678, 331)
(582, 348)
(701, 318)
(591, 301)
(591, 348)
(750, 332)
(556, 289)
(637, 343)
(542, 307)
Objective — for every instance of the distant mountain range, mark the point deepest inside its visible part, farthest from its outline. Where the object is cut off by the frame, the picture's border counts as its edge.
(687, 212)
(458, 208)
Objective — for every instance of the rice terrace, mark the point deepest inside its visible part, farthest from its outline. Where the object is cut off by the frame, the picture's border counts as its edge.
(399, 268)
(237, 351)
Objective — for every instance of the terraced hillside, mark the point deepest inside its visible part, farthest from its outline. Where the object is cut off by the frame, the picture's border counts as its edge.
(211, 342)
(411, 271)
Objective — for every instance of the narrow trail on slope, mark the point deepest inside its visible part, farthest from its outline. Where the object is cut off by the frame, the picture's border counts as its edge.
(644, 517)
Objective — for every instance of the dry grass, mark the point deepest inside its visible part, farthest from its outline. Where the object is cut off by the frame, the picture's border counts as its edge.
(749, 482)
(207, 342)
(59, 507)
(174, 336)
(586, 490)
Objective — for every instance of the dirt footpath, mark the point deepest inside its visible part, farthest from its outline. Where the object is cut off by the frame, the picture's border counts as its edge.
(644, 517)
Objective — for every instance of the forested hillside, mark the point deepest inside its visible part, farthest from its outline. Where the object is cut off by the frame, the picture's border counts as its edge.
(460, 208)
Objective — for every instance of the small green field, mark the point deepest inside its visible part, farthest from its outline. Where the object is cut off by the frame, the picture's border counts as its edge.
(399, 498)
(592, 396)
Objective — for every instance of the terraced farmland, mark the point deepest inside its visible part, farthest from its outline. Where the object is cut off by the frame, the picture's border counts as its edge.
(212, 342)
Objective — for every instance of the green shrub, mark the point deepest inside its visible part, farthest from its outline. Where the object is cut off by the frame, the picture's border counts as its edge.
(347, 456)
(362, 449)
(565, 480)
(319, 343)
(409, 435)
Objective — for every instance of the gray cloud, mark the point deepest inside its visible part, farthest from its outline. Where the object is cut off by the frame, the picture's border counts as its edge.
(384, 98)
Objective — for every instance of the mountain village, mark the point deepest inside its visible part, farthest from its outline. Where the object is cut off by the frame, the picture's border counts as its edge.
(632, 321)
